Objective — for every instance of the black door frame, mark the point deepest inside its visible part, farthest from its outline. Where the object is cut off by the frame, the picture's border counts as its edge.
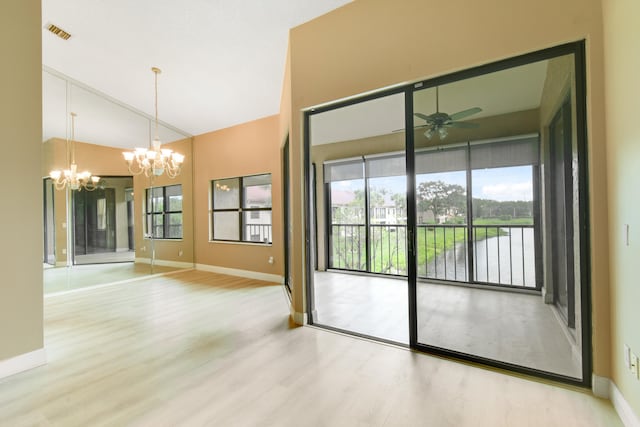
(577, 49)
(286, 204)
(49, 232)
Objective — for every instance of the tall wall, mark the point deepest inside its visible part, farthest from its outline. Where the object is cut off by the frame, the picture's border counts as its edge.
(248, 149)
(368, 45)
(21, 213)
(622, 68)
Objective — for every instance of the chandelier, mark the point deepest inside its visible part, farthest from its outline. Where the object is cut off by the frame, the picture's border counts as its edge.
(70, 177)
(154, 160)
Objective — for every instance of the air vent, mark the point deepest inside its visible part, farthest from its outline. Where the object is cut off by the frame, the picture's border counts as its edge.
(58, 32)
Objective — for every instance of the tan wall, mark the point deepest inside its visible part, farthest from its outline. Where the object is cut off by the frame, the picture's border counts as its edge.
(622, 67)
(179, 250)
(285, 100)
(247, 149)
(368, 45)
(97, 159)
(21, 253)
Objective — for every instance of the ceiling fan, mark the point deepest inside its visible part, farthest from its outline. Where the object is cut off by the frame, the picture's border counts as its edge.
(439, 121)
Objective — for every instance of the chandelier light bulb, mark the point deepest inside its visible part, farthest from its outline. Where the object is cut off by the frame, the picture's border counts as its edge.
(154, 161)
(70, 178)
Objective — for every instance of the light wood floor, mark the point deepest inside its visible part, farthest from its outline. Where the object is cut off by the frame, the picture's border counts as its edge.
(199, 349)
(63, 279)
(106, 257)
(504, 326)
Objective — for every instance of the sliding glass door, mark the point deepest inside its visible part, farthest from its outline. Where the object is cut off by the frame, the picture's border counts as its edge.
(495, 203)
(447, 215)
(359, 205)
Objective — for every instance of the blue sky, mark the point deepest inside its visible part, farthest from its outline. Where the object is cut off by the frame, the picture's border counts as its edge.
(512, 183)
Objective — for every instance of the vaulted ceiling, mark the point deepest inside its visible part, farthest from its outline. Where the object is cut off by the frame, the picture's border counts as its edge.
(222, 64)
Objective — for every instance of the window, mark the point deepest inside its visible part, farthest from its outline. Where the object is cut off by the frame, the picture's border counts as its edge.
(241, 209)
(164, 212)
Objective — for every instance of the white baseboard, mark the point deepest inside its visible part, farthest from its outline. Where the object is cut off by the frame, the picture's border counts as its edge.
(22, 363)
(274, 278)
(624, 410)
(605, 388)
(298, 318)
(165, 263)
(600, 386)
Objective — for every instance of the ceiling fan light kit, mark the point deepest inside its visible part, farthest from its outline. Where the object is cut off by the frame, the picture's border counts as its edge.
(438, 122)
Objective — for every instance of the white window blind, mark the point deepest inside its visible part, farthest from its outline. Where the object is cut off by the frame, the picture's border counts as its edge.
(514, 152)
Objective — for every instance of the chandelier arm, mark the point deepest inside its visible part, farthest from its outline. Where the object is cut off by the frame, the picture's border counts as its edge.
(136, 171)
(89, 186)
(155, 160)
(60, 184)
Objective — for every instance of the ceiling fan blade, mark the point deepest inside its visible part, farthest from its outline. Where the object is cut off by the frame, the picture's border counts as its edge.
(465, 113)
(422, 116)
(415, 127)
(463, 125)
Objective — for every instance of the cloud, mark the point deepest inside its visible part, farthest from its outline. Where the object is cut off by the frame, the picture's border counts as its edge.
(503, 192)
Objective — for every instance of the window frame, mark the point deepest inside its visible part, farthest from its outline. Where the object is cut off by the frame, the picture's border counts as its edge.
(166, 213)
(243, 236)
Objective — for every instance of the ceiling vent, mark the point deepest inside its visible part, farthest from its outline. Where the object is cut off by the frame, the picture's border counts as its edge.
(58, 32)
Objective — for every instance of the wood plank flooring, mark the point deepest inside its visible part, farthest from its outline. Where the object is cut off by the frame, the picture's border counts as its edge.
(200, 349)
(505, 326)
(64, 279)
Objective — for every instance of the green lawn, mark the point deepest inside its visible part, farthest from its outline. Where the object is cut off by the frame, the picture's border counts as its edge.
(388, 246)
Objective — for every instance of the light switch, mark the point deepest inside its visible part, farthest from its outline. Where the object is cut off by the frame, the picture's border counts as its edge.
(634, 365)
(626, 234)
(627, 357)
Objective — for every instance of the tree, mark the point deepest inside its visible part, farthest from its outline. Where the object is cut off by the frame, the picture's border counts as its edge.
(441, 198)
(400, 201)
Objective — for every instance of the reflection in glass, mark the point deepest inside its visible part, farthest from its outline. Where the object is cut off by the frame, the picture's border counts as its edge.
(226, 193)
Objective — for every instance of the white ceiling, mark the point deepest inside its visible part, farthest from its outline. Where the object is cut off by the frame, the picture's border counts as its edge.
(511, 90)
(222, 63)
